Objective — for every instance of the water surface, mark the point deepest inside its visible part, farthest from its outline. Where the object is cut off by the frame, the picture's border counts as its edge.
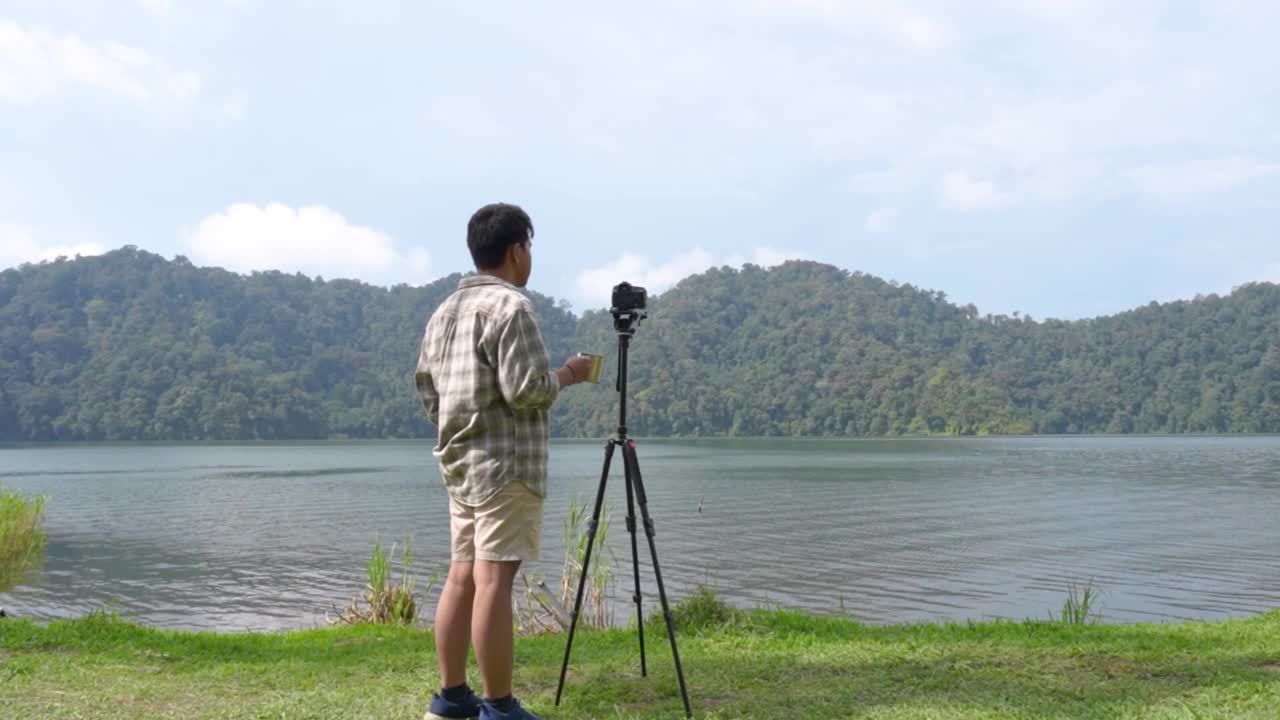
(271, 536)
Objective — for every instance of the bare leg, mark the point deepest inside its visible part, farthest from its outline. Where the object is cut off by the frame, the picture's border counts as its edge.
(453, 624)
(492, 632)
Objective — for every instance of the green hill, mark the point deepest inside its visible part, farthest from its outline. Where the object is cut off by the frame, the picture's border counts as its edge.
(810, 349)
(129, 345)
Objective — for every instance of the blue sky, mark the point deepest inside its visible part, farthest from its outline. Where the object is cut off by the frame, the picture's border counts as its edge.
(1053, 157)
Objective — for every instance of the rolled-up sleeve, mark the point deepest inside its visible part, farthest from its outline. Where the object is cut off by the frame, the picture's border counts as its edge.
(525, 377)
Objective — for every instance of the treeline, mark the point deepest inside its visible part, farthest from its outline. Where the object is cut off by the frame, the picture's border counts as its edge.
(808, 349)
(128, 345)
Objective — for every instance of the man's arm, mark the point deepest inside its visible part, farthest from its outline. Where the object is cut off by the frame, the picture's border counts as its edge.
(427, 386)
(525, 377)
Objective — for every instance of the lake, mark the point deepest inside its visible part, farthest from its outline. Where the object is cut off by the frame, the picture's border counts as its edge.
(271, 536)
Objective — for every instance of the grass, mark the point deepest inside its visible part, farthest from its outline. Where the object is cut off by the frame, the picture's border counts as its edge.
(761, 664)
(22, 537)
(700, 610)
(384, 601)
(597, 611)
(1081, 605)
(543, 612)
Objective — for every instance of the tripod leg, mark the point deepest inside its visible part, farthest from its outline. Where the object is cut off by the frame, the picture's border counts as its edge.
(632, 465)
(635, 560)
(586, 561)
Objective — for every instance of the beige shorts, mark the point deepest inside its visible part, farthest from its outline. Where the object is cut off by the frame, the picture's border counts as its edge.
(506, 527)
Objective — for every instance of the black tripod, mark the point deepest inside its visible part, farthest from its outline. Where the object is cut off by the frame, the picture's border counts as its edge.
(625, 323)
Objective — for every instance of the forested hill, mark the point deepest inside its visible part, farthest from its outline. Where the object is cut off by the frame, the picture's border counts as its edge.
(128, 345)
(808, 349)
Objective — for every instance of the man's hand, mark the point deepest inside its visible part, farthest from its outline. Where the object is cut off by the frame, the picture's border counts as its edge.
(575, 370)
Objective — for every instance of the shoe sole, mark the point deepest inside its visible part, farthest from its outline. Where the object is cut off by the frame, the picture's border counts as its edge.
(432, 716)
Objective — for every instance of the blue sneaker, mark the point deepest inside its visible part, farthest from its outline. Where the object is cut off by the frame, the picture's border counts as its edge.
(489, 712)
(466, 709)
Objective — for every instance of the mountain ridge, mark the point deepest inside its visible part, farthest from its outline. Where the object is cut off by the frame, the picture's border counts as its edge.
(131, 346)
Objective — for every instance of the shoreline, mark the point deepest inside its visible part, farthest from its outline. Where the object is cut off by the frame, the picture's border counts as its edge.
(756, 664)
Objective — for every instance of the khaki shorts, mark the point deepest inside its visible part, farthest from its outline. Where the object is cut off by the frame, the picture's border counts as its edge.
(506, 527)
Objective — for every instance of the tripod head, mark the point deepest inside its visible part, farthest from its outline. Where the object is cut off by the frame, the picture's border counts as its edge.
(625, 322)
(628, 310)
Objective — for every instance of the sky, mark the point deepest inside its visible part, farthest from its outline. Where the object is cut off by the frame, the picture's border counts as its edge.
(1057, 158)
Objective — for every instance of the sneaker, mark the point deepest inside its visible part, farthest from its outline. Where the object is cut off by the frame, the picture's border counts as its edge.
(467, 709)
(489, 712)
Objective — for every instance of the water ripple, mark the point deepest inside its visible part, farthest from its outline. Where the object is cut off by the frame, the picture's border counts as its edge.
(887, 530)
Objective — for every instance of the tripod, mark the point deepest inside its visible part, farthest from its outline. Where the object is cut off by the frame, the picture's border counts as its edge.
(625, 323)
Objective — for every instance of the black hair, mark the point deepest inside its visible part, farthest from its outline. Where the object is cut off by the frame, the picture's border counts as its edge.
(494, 228)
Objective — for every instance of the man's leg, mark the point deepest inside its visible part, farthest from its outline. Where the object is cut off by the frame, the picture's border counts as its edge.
(491, 627)
(453, 624)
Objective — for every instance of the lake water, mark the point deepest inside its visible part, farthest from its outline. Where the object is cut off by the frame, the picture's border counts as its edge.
(270, 536)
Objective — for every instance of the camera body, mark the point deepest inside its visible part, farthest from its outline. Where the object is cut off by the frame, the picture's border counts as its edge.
(628, 307)
(628, 297)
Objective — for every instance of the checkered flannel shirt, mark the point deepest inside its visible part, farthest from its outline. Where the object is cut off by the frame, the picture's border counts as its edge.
(487, 384)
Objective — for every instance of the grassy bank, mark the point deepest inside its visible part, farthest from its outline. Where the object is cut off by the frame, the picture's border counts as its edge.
(763, 664)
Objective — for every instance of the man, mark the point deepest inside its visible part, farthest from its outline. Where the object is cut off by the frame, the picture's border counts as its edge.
(486, 381)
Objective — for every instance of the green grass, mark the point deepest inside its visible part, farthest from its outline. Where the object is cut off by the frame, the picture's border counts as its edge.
(762, 664)
(1081, 605)
(22, 538)
(384, 600)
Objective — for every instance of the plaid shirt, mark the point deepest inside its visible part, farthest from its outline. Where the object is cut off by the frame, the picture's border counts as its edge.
(487, 383)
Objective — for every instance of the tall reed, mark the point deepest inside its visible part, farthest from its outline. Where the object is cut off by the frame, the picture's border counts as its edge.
(1081, 605)
(386, 602)
(543, 611)
(22, 535)
(597, 609)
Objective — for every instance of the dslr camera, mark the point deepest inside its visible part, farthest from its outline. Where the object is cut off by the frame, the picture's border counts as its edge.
(628, 297)
(628, 307)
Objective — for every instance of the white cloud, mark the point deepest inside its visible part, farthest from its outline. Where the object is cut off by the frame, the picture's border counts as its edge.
(881, 220)
(1177, 181)
(880, 182)
(159, 8)
(768, 257)
(860, 19)
(594, 285)
(36, 64)
(765, 257)
(922, 33)
(1049, 100)
(235, 110)
(961, 192)
(312, 240)
(18, 246)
